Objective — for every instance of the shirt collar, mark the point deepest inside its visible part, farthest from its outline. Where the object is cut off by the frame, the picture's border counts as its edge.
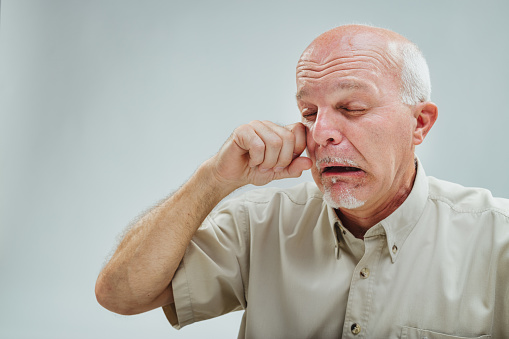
(397, 226)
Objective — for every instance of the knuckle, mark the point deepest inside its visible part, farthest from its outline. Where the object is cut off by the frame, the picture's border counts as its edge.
(291, 128)
(255, 123)
(284, 159)
(275, 141)
(290, 136)
(258, 146)
(242, 129)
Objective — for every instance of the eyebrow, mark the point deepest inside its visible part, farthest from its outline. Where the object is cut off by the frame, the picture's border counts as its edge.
(351, 85)
(346, 85)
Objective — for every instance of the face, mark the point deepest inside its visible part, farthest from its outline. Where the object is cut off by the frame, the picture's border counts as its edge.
(359, 133)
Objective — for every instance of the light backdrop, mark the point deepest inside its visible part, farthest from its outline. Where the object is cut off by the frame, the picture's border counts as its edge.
(108, 106)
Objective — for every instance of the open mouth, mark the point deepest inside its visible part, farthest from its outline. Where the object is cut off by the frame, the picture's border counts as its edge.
(341, 170)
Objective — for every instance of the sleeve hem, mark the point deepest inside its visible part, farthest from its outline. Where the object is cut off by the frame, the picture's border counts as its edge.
(180, 313)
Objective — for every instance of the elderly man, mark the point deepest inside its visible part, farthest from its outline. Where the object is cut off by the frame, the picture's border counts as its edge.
(375, 249)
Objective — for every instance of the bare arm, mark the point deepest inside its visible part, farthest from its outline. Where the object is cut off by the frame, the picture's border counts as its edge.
(138, 276)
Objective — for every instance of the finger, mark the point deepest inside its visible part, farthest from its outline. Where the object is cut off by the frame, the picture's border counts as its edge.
(299, 131)
(272, 141)
(296, 168)
(285, 155)
(246, 138)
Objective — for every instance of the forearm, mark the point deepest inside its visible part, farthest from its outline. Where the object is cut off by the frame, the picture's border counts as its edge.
(138, 276)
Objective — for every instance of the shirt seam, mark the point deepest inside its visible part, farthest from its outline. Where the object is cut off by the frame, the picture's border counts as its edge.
(458, 210)
(247, 237)
(311, 197)
(189, 292)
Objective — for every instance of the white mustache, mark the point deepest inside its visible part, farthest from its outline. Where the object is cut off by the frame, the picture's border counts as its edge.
(335, 160)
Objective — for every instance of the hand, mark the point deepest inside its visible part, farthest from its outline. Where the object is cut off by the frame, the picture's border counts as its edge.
(260, 152)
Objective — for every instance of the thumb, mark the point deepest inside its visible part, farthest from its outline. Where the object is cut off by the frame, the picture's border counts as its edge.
(297, 166)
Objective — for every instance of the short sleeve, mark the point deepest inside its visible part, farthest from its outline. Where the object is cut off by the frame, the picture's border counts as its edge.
(501, 290)
(212, 277)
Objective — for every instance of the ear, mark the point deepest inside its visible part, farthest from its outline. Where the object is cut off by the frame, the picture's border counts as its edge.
(426, 114)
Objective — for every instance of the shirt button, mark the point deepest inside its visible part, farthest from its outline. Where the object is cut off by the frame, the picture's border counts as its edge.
(356, 328)
(365, 273)
(394, 249)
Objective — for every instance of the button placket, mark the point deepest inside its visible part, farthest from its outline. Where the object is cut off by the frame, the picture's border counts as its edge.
(359, 307)
(337, 240)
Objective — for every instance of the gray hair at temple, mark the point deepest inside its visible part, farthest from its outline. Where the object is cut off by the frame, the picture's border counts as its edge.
(414, 74)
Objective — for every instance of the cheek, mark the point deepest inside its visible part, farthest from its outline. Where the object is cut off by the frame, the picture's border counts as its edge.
(390, 143)
(401, 136)
(382, 132)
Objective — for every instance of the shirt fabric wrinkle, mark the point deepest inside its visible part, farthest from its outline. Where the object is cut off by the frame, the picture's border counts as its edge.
(435, 267)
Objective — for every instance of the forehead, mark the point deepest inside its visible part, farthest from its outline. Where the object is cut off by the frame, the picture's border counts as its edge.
(351, 42)
(336, 85)
(352, 62)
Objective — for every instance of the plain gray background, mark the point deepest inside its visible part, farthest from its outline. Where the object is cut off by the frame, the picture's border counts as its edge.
(108, 106)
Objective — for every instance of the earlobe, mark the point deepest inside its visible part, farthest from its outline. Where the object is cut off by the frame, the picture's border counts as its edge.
(426, 114)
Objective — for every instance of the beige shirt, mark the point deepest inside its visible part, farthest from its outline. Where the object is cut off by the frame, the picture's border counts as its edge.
(438, 267)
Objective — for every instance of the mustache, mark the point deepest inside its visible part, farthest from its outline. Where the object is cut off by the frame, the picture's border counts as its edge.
(335, 160)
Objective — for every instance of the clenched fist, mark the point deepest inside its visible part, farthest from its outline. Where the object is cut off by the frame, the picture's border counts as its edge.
(260, 152)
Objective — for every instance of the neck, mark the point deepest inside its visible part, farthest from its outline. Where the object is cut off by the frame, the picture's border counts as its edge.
(359, 221)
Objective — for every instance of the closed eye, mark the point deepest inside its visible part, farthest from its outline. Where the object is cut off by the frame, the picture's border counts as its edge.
(308, 113)
(353, 111)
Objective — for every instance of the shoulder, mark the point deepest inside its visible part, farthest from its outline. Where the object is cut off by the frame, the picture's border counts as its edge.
(271, 209)
(300, 194)
(466, 199)
(470, 218)
(304, 199)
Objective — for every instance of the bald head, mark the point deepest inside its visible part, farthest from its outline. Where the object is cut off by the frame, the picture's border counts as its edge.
(393, 54)
(353, 36)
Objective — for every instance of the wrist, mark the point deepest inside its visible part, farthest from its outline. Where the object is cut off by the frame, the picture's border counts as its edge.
(215, 182)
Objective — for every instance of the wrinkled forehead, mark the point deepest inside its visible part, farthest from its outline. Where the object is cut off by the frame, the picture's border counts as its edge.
(370, 47)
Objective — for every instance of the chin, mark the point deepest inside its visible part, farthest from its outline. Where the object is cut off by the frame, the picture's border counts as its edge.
(343, 199)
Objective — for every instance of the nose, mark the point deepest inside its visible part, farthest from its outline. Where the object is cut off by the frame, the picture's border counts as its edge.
(327, 128)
